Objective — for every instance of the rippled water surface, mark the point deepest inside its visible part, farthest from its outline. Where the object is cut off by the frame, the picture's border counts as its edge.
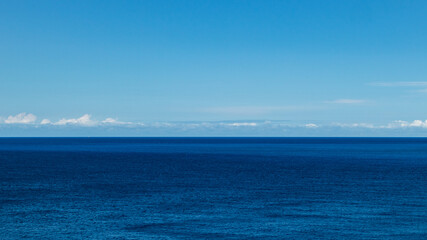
(213, 188)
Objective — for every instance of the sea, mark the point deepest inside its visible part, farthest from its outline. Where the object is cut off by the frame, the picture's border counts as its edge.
(213, 188)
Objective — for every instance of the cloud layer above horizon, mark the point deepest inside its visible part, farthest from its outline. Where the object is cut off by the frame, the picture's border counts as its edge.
(208, 128)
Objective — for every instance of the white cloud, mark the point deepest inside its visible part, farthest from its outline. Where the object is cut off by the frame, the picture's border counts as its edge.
(354, 125)
(163, 124)
(405, 124)
(87, 121)
(311, 125)
(22, 118)
(112, 121)
(84, 120)
(241, 124)
(45, 121)
(347, 101)
(393, 125)
(418, 123)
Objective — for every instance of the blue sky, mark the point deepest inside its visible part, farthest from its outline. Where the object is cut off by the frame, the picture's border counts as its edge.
(213, 68)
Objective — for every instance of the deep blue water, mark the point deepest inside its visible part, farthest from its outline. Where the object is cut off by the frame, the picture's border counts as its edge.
(213, 188)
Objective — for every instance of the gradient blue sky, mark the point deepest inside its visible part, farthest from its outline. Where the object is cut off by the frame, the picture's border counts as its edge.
(261, 68)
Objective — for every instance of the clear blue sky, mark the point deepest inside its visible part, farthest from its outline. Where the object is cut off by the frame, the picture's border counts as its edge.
(352, 66)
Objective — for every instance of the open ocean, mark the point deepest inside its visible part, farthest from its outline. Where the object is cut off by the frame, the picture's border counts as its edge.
(213, 188)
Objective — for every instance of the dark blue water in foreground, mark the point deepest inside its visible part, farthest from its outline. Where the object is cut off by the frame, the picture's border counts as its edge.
(213, 188)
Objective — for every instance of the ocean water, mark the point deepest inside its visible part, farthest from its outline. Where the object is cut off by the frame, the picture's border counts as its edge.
(213, 188)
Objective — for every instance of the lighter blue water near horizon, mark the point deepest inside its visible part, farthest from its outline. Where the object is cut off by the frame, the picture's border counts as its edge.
(213, 188)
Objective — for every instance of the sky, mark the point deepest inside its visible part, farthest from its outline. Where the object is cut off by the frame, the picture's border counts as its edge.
(213, 68)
